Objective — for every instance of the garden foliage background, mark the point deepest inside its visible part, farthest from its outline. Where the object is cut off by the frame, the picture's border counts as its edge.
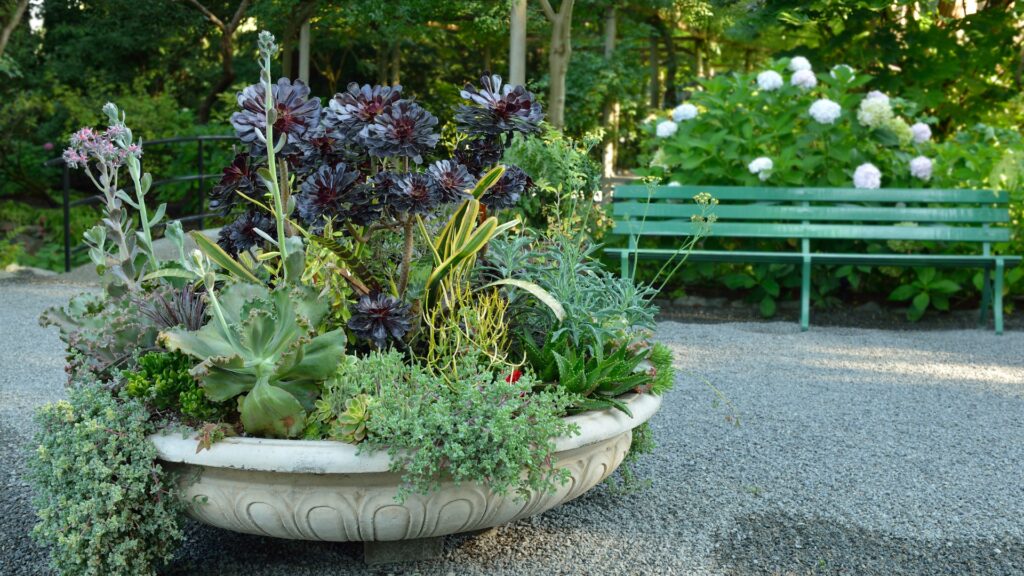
(954, 65)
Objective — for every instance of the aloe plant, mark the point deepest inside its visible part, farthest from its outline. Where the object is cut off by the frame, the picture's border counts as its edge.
(262, 348)
(598, 380)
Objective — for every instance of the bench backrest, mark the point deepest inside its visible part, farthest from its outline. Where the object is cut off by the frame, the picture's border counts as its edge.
(815, 213)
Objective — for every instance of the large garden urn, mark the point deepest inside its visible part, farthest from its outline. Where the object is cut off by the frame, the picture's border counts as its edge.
(324, 490)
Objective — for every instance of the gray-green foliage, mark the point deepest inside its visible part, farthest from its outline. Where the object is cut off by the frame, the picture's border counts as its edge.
(105, 507)
(101, 332)
(481, 429)
(599, 306)
(263, 344)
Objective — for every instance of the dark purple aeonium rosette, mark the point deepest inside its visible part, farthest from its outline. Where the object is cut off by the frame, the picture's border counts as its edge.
(317, 148)
(480, 154)
(350, 112)
(335, 193)
(496, 109)
(506, 192)
(378, 316)
(454, 182)
(405, 130)
(239, 176)
(297, 113)
(414, 193)
(241, 235)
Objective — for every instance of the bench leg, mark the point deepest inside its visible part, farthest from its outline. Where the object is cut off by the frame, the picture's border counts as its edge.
(805, 297)
(997, 305)
(986, 297)
(624, 262)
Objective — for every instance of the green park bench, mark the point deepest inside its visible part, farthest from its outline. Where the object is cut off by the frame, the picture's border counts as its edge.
(814, 215)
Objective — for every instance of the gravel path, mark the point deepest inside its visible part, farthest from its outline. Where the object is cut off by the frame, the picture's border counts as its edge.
(858, 452)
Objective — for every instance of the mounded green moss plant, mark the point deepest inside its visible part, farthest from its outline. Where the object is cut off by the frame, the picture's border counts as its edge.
(105, 507)
(163, 379)
(486, 428)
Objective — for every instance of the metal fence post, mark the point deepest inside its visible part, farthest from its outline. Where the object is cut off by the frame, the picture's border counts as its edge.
(67, 217)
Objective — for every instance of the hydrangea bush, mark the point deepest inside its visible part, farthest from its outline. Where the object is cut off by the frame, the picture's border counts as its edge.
(791, 126)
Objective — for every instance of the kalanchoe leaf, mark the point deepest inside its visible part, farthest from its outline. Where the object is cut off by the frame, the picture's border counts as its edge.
(498, 109)
(239, 236)
(405, 130)
(453, 180)
(296, 112)
(334, 192)
(350, 112)
(377, 317)
(239, 176)
(415, 193)
(480, 154)
(506, 191)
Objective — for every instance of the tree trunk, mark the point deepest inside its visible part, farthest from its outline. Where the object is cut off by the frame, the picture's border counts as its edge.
(287, 55)
(698, 54)
(671, 62)
(517, 43)
(12, 24)
(396, 64)
(655, 61)
(304, 52)
(558, 59)
(610, 116)
(382, 63)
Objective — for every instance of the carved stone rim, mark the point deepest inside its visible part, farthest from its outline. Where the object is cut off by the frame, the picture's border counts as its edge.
(329, 457)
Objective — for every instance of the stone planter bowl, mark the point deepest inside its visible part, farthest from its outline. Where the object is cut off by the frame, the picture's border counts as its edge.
(323, 490)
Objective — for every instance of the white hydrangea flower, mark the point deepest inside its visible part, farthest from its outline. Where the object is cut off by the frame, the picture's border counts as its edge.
(666, 128)
(673, 184)
(874, 112)
(685, 111)
(848, 70)
(922, 132)
(799, 63)
(921, 168)
(761, 166)
(876, 95)
(867, 176)
(769, 80)
(825, 111)
(803, 79)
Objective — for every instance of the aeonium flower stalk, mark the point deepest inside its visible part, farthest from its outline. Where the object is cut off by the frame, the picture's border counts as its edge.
(268, 48)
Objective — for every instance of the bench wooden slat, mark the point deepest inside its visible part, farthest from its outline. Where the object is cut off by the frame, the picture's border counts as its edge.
(937, 260)
(656, 210)
(814, 231)
(891, 195)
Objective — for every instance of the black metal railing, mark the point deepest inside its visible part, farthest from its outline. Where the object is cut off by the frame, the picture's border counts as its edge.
(199, 198)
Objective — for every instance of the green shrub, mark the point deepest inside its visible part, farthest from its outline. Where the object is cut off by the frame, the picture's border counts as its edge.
(105, 507)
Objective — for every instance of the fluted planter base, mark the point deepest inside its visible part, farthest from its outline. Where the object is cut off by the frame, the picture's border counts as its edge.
(321, 490)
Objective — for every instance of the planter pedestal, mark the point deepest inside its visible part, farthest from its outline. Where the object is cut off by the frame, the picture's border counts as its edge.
(322, 490)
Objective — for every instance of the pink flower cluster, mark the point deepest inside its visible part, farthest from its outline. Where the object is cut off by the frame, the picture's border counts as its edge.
(110, 148)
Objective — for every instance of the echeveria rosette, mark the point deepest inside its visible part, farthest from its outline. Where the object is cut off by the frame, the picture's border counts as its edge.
(297, 113)
(335, 193)
(350, 112)
(505, 193)
(239, 176)
(453, 180)
(497, 108)
(241, 235)
(379, 316)
(266, 353)
(414, 193)
(405, 130)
